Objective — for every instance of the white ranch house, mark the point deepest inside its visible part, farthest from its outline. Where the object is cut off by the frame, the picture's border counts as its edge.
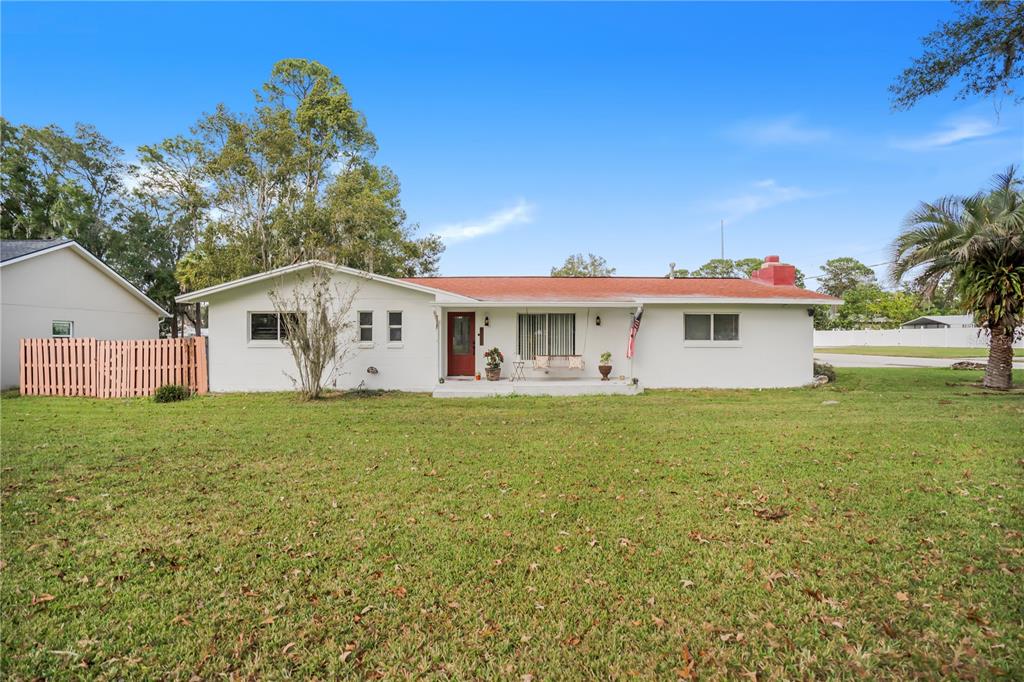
(429, 334)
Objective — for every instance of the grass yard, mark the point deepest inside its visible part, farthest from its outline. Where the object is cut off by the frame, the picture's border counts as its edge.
(908, 351)
(692, 533)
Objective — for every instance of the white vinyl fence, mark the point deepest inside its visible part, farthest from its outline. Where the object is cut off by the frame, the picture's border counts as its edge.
(952, 337)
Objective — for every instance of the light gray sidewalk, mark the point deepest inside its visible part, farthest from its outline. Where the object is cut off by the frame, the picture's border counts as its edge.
(846, 360)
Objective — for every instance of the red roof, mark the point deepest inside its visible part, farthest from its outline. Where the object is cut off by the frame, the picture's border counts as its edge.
(612, 288)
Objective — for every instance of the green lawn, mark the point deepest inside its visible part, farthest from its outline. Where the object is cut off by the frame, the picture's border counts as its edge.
(908, 351)
(564, 538)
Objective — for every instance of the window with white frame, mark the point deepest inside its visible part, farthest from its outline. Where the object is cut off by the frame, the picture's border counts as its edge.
(272, 326)
(394, 326)
(546, 334)
(366, 326)
(711, 327)
(62, 329)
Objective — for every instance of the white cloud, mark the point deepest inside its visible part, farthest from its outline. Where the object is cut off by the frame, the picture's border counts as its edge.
(760, 195)
(521, 213)
(779, 131)
(958, 130)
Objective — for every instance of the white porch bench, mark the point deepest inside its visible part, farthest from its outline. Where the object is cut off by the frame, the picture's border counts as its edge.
(558, 362)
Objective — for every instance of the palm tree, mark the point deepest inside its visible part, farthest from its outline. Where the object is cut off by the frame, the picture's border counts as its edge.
(978, 241)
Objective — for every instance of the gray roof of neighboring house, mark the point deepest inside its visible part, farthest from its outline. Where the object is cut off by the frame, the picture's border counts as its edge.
(948, 320)
(16, 248)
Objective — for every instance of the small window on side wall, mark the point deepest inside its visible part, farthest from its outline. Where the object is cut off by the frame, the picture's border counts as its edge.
(366, 326)
(395, 326)
(62, 329)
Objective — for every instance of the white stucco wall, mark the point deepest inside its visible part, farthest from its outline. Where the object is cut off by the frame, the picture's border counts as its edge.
(62, 285)
(775, 347)
(238, 364)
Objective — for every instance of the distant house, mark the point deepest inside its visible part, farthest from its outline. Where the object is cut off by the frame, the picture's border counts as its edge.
(55, 288)
(428, 333)
(940, 322)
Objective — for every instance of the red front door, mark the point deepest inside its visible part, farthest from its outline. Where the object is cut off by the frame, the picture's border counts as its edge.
(461, 345)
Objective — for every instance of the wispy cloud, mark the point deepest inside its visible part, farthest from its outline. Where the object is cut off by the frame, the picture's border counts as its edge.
(779, 131)
(757, 197)
(953, 132)
(521, 213)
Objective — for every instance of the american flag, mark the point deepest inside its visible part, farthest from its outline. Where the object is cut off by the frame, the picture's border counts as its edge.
(634, 328)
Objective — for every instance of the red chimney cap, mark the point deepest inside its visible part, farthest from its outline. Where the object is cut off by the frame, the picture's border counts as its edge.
(771, 259)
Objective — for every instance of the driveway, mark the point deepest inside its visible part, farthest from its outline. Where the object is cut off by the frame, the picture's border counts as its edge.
(845, 360)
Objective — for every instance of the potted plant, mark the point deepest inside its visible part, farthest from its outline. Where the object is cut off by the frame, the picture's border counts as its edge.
(605, 366)
(494, 359)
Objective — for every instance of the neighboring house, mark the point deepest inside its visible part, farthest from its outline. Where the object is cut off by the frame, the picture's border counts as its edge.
(413, 334)
(940, 322)
(55, 288)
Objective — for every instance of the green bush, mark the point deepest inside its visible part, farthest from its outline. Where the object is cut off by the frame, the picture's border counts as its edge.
(169, 393)
(823, 368)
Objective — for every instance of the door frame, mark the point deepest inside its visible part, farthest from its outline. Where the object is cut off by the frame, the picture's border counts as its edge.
(449, 338)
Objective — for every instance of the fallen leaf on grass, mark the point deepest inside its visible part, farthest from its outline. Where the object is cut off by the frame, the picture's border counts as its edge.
(771, 514)
(658, 622)
(698, 538)
(287, 647)
(902, 597)
(772, 578)
(269, 620)
(400, 592)
(689, 669)
(42, 599)
(181, 620)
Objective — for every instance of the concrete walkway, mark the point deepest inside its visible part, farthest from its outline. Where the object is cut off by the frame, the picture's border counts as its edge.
(846, 360)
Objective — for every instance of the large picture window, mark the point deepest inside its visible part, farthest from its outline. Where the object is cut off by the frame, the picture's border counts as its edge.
(270, 326)
(546, 334)
(711, 327)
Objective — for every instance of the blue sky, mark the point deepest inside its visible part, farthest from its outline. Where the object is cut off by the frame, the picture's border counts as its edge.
(526, 132)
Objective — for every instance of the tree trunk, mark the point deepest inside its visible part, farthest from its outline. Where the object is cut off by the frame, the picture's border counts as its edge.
(999, 371)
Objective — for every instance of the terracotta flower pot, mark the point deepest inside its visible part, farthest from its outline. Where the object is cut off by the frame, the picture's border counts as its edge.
(493, 373)
(605, 370)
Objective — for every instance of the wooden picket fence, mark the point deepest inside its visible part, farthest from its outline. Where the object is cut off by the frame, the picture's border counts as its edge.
(111, 369)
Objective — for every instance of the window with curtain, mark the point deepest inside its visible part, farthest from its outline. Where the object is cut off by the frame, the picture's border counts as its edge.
(546, 334)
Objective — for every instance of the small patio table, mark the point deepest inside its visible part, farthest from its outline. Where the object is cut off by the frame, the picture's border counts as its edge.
(517, 371)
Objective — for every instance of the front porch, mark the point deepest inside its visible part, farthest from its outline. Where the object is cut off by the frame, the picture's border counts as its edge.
(471, 388)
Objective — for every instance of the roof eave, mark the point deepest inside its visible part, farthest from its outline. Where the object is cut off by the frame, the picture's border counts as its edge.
(203, 294)
(644, 300)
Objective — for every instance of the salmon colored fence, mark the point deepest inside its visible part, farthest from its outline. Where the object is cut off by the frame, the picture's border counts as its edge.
(111, 369)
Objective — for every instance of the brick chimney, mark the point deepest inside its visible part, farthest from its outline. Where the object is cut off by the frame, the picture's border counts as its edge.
(775, 273)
